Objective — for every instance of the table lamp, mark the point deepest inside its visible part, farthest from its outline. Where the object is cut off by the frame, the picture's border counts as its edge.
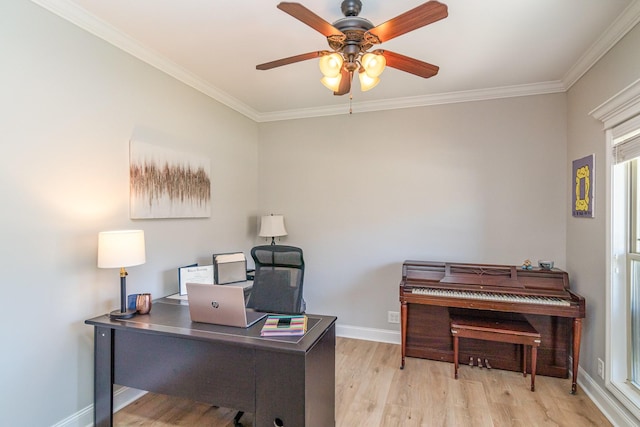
(272, 226)
(120, 249)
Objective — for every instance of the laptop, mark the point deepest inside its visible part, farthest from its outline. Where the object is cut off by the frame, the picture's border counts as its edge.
(220, 305)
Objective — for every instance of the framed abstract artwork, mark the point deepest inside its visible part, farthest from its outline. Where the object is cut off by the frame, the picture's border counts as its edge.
(583, 187)
(165, 183)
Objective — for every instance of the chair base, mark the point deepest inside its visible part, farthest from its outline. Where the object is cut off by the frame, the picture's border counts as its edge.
(236, 419)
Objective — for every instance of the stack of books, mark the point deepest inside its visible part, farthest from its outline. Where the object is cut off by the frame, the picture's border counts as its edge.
(282, 325)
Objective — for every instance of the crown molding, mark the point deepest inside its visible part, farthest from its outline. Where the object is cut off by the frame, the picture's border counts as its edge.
(79, 17)
(612, 35)
(417, 101)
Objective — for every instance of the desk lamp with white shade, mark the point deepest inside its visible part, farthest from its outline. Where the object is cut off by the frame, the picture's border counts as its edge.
(272, 226)
(120, 249)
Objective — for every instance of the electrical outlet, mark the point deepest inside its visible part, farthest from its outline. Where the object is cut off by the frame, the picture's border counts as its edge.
(601, 368)
(393, 317)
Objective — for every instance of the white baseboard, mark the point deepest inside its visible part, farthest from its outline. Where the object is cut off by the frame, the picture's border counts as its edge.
(369, 334)
(122, 397)
(610, 407)
(126, 396)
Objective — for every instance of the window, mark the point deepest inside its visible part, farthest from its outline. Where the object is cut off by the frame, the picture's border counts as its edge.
(633, 267)
(624, 291)
(621, 118)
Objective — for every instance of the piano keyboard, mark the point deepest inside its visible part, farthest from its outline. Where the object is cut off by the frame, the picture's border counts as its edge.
(491, 296)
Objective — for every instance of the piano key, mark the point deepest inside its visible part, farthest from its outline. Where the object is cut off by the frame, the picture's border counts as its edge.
(491, 296)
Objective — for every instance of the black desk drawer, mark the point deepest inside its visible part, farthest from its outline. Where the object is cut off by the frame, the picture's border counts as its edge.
(198, 370)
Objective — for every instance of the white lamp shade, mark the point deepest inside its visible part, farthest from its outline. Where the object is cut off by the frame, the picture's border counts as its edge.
(272, 226)
(123, 248)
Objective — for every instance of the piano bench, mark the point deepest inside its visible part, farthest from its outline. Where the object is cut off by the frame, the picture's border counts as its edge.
(501, 330)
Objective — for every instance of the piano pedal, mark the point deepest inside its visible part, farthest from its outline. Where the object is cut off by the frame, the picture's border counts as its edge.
(479, 363)
(471, 362)
(486, 363)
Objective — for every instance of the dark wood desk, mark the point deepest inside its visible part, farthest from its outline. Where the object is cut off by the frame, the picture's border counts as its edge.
(290, 378)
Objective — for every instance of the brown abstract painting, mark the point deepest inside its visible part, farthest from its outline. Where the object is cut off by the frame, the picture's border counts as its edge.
(167, 184)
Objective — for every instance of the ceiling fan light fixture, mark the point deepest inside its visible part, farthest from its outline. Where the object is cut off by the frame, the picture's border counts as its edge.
(332, 83)
(350, 40)
(373, 64)
(367, 82)
(331, 64)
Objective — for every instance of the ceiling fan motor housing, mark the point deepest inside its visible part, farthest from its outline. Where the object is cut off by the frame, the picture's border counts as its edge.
(351, 7)
(356, 38)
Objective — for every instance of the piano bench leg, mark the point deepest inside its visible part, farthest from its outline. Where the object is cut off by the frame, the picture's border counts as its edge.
(455, 356)
(524, 360)
(534, 360)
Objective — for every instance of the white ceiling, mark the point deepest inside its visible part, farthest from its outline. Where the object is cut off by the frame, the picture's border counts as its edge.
(485, 49)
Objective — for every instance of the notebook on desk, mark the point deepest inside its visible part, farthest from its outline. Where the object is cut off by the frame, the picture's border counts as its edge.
(220, 305)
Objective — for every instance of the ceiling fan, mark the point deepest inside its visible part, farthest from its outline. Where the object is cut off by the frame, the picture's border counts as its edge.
(350, 39)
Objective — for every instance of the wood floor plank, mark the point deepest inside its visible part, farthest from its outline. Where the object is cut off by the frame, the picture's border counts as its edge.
(395, 415)
(371, 390)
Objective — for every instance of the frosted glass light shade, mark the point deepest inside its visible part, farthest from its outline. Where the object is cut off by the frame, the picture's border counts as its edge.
(123, 248)
(332, 83)
(373, 64)
(367, 82)
(330, 65)
(272, 226)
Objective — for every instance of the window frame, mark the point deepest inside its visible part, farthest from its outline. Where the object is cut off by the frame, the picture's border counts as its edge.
(617, 113)
(618, 362)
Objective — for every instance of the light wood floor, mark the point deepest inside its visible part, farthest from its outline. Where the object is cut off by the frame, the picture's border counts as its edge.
(371, 390)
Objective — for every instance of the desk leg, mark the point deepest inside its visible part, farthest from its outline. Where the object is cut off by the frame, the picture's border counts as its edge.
(403, 332)
(103, 377)
(297, 390)
(577, 335)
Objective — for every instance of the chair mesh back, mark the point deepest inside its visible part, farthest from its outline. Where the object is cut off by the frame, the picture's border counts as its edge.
(277, 284)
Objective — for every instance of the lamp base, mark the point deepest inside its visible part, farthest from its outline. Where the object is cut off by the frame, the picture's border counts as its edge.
(117, 314)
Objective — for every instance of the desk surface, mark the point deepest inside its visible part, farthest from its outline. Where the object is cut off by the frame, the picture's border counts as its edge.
(171, 317)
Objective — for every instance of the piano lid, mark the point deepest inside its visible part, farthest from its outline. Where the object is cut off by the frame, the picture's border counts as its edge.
(494, 276)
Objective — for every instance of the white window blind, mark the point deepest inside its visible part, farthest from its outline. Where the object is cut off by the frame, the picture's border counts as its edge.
(626, 140)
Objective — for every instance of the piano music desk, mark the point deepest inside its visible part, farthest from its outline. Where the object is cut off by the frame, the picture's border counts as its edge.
(509, 331)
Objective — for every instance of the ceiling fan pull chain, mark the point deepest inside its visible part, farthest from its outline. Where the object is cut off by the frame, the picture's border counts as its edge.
(350, 102)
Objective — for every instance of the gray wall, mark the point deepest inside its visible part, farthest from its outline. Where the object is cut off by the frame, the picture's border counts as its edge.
(472, 182)
(69, 105)
(586, 238)
(481, 181)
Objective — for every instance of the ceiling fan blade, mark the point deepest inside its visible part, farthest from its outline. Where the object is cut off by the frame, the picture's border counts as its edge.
(420, 16)
(409, 65)
(306, 16)
(290, 60)
(345, 83)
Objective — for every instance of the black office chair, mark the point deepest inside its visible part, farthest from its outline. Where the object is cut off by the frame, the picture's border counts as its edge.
(277, 284)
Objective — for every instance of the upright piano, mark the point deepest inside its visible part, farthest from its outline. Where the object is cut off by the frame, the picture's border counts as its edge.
(430, 292)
